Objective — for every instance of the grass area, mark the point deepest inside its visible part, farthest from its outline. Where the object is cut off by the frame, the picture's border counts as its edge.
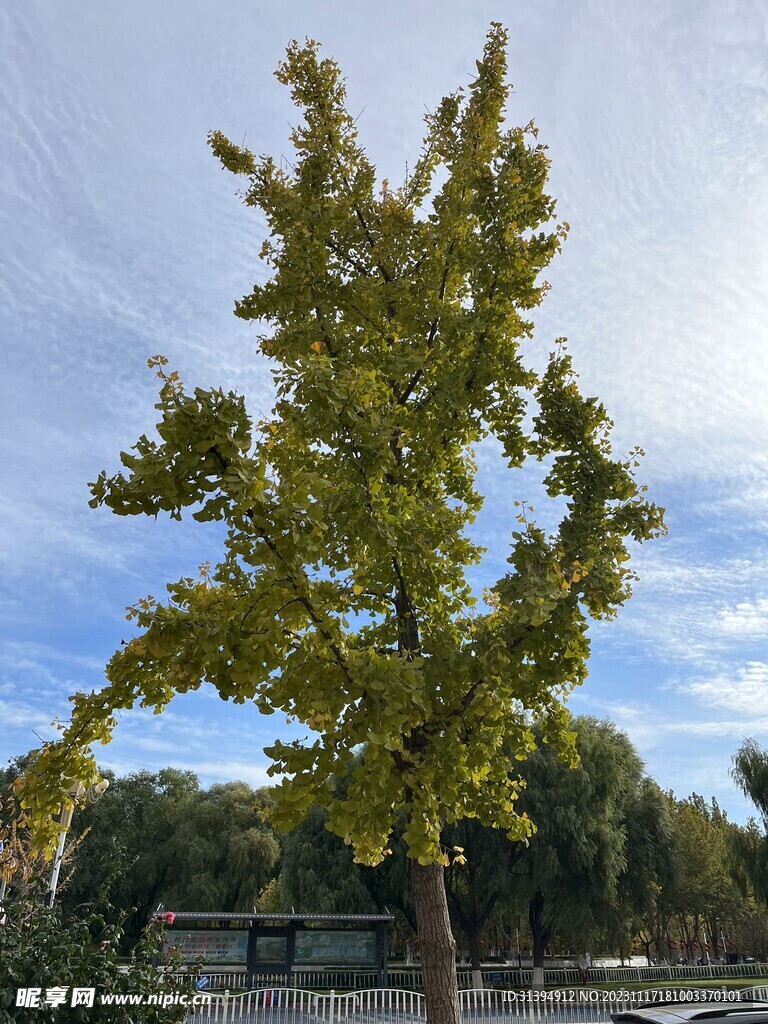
(637, 986)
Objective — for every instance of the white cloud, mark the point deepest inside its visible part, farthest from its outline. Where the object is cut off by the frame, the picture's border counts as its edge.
(737, 729)
(208, 772)
(674, 611)
(124, 238)
(18, 713)
(747, 618)
(651, 724)
(226, 771)
(211, 772)
(30, 655)
(665, 274)
(744, 689)
(154, 744)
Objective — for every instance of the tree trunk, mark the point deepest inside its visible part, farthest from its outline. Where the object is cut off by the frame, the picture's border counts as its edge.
(714, 936)
(538, 938)
(474, 957)
(438, 947)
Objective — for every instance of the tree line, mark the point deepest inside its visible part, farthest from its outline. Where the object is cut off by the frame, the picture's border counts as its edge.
(615, 864)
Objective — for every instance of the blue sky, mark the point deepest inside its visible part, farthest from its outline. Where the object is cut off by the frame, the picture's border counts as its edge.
(121, 237)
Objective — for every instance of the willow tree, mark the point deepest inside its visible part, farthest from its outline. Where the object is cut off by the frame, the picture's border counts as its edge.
(749, 846)
(394, 320)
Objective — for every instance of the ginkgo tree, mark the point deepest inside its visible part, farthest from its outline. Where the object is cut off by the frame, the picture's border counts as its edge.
(394, 320)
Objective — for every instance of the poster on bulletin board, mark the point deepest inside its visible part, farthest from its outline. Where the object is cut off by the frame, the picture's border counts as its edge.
(316, 946)
(215, 946)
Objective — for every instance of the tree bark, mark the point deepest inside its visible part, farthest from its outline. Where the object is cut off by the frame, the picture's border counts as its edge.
(714, 936)
(436, 942)
(475, 959)
(538, 937)
(471, 919)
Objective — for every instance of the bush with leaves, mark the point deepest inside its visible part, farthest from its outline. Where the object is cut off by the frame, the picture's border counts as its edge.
(40, 950)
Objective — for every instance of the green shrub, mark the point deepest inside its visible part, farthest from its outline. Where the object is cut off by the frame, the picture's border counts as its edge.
(42, 952)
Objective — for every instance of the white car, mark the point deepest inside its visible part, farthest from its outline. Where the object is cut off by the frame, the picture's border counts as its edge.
(746, 1012)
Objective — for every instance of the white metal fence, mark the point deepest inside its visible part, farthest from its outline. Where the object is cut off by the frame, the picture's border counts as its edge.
(493, 977)
(297, 1006)
(395, 1006)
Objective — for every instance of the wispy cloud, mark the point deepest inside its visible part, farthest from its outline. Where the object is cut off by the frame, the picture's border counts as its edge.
(227, 770)
(121, 238)
(208, 772)
(692, 606)
(17, 713)
(32, 655)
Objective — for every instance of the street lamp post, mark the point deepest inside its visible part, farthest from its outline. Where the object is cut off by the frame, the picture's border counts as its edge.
(75, 792)
(2, 882)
